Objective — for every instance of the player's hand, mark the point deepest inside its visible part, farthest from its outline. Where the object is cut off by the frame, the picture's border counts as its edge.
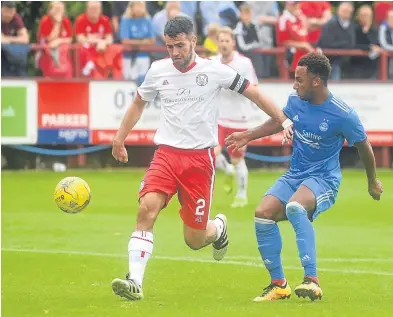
(237, 140)
(119, 152)
(375, 189)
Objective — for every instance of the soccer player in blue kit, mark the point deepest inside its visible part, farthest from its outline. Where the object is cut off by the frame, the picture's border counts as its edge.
(322, 122)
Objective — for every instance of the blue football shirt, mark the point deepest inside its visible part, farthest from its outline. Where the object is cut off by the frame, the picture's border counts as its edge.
(141, 28)
(319, 134)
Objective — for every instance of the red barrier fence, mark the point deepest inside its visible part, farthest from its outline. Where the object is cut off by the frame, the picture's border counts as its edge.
(279, 52)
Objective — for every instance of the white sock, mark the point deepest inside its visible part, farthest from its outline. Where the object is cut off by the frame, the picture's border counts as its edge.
(88, 68)
(241, 178)
(223, 164)
(219, 227)
(140, 249)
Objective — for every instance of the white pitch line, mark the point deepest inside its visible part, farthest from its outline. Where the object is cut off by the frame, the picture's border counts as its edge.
(192, 259)
(338, 260)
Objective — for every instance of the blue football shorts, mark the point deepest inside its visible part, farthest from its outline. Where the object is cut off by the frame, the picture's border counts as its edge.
(324, 191)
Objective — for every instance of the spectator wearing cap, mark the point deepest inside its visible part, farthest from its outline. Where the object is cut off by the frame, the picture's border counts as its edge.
(317, 13)
(381, 9)
(136, 29)
(339, 33)
(55, 33)
(386, 38)
(14, 38)
(292, 32)
(366, 39)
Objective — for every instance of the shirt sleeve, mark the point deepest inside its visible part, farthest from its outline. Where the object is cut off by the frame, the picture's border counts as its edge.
(230, 79)
(289, 108)
(150, 29)
(352, 129)
(68, 27)
(124, 29)
(80, 26)
(148, 90)
(107, 26)
(44, 28)
(250, 73)
(19, 22)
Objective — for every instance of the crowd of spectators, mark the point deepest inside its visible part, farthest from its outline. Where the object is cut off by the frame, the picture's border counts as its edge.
(299, 26)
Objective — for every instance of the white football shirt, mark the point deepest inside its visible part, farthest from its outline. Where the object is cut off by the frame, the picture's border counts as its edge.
(234, 109)
(189, 106)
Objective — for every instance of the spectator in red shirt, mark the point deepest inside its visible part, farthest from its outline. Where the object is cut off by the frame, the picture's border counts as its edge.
(292, 32)
(381, 9)
(55, 30)
(317, 13)
(14, 40)
(93, 30)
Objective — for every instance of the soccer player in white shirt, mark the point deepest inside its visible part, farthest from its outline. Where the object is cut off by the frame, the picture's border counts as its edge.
(184, 161)
(234, 112)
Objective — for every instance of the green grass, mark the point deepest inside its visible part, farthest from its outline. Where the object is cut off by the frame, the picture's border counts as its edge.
(56, 264)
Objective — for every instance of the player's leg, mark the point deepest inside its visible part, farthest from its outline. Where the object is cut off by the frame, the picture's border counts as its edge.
(156, 190)
(196, 184)
(221, 161)
(241, 171)
(270, 211)
(312, 197)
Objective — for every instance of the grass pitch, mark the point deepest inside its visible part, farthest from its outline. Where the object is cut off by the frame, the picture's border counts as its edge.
(57, 264)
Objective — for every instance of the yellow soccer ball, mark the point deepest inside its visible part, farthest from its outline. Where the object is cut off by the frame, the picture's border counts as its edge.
(72, 194)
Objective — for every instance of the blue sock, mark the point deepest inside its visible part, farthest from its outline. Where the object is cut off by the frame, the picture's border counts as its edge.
(270, 245)
(305, 237)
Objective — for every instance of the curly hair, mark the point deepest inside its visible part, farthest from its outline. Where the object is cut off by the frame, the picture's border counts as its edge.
(178, 25)
(317, 64)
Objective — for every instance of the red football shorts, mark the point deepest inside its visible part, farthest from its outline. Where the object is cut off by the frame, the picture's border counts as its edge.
(190, 173)
(224, 132)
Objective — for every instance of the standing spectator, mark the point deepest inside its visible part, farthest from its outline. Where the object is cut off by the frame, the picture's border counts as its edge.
(366, 39)
(247, 36)
(318, 13)
(136, 29)
(265, 17)
(210, 42)
(55, 30)
(381, 9)
(14, 38)
(225, 13)
(339, 33)
(386, 38)
(94, 32)
(119, 7)
(292, 32)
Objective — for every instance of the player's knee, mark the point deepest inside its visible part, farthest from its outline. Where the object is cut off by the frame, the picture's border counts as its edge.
(293, 207)
(265, 213)
(147, 213)
(236, 160)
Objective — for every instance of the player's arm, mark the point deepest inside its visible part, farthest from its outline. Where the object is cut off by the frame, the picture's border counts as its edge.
(367, 157)
(354, 133)
(239, 139)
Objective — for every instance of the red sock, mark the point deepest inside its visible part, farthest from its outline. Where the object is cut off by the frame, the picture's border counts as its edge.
(314, 279)
(279, 282)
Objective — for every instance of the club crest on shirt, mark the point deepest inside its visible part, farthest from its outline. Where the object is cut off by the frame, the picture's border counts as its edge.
(323, 126)
(202, 79)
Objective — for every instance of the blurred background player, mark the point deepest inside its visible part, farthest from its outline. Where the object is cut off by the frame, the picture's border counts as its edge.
(322, 122)
(234, 110)
(188, 86)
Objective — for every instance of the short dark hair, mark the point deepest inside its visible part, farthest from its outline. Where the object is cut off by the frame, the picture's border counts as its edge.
(8, 4)
(178, 25)
(317, 64)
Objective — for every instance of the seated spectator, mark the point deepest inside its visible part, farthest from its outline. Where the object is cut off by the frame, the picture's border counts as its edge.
(225, 13)
(136, 29)
(265, 17)
(55, 30)
(119, 7)
(366, 39)
(292, 32)
(386, 38)
(318, 13)
(381, 9)
(339, 33)
(14, 38)
(211, 40)
(94, 32)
